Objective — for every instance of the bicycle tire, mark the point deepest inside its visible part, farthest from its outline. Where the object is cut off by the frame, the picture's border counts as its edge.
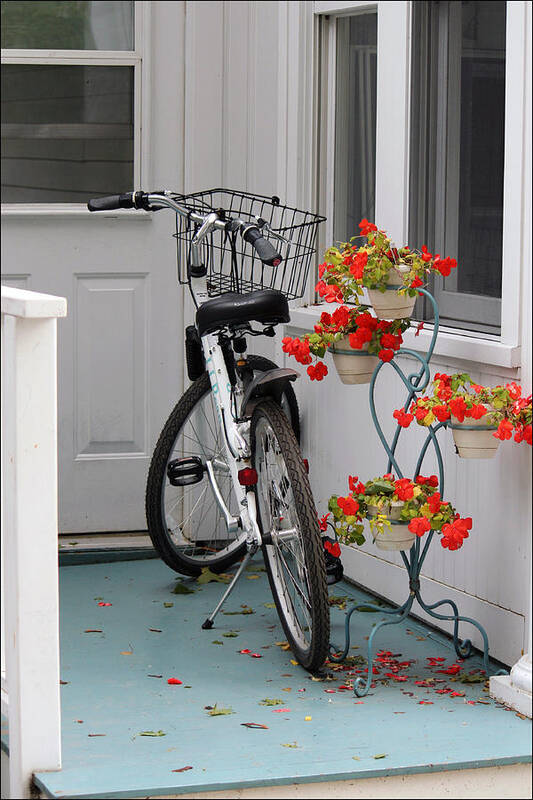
(175, 556)
(295, 566)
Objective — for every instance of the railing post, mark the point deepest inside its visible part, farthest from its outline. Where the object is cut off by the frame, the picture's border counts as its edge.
(30, 526)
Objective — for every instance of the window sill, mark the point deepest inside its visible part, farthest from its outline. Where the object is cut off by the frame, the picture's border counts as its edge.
(450, 342)
(77, 210)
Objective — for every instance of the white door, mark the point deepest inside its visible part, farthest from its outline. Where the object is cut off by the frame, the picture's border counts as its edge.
(120, 349)
(119, 355)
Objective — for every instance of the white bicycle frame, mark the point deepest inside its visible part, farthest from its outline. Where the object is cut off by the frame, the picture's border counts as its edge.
(236, 435)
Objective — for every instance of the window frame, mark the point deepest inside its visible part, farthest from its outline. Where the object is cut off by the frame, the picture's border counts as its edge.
(393, 157)
(139, 59)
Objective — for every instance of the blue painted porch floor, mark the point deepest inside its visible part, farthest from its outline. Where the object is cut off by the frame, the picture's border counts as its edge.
(112, 693)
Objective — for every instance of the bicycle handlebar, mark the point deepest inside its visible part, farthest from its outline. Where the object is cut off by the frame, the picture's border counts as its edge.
(153, 202)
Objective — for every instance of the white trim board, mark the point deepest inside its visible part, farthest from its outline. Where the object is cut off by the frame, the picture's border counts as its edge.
(369, 570)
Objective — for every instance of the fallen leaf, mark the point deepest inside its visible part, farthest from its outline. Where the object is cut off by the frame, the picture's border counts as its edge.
(254, 725)
(219, 712)
(96, 734)
(288, 689)
(169, 605)
(290, 744)
(207, 576)
(151, 733)
(105, 604)
(64, 683)
(356, 758)
(155, 676)
(280, 710)
(256, 655)
(245, 651)
(217, 641)
(126, 652)
(93, 630)
(293, 661)
(269, 605)
(78, 720)
(230, 634)
(253, 577)
(308, 719)
(381, 755)
(180, 588)
(181, 769)
(271, 701)
(155, 630)
(245, 610)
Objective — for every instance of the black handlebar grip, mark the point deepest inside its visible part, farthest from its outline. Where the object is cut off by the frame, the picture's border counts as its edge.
(111, 202)
(264, 249)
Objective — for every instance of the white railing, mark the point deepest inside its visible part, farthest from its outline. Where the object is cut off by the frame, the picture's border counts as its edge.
(30, 596)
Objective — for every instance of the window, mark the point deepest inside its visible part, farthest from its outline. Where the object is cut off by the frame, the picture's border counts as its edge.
(355, 123)
(70, 121)
(457, 154)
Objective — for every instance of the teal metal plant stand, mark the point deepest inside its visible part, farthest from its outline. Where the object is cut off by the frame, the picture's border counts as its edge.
(415, 383)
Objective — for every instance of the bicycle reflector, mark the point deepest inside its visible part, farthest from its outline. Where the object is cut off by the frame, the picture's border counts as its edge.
(247, 476)
(306, 465)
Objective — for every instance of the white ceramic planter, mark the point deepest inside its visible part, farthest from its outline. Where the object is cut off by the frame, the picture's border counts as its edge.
(397, 537)
(472, 443)
(389, 304)
(353, 366)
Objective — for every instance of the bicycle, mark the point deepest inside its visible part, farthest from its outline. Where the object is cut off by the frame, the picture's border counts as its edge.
(227, 477)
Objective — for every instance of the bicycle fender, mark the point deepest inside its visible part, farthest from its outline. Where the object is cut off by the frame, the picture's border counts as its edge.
(267, 384)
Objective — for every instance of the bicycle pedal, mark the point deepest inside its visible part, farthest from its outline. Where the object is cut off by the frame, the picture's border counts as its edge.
(185, 471)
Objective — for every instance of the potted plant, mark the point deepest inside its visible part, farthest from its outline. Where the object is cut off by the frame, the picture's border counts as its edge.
(392, 275)
(398, 511)
(356, 339)
(479, 416)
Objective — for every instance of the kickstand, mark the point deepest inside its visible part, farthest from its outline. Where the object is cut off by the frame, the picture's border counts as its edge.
(209, 621)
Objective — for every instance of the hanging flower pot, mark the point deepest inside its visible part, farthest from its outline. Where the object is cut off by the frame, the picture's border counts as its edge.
(474, 438)
(397, 537)
(353, 366)
(479, 416)
(389, 304)
(393, 534)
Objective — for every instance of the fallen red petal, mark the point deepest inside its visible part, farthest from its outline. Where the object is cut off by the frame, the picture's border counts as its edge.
(181, 769)
(174, 681)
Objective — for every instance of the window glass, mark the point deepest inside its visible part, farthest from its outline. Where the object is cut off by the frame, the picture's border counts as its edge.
(66, 25)
(457, 153)
(67, 132)
(355, 123)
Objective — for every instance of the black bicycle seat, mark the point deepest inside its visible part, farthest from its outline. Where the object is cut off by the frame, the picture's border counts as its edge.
(268, 306)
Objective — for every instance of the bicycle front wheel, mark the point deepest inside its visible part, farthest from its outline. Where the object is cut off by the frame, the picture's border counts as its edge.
(293, 553)
(185, 523)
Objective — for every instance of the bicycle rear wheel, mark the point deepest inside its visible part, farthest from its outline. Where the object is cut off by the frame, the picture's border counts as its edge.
(185, 523)
(294, 555)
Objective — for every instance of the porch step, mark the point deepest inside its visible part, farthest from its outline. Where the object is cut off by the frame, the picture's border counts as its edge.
(115, 662)
(98, 548)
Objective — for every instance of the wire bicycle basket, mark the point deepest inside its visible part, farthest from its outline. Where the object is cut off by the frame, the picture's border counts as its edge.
(232, 264)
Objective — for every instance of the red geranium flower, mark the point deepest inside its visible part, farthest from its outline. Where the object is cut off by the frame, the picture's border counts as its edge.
(404, 489)
(505, 430)
(318, 371)
(416, 283)
(441, 412)
(403, 418)
(386, 355)
(348, 505)
(419, 526)
(365, 226)
(355, 485)
(434, 503)
(333, 548)
(458, 407)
